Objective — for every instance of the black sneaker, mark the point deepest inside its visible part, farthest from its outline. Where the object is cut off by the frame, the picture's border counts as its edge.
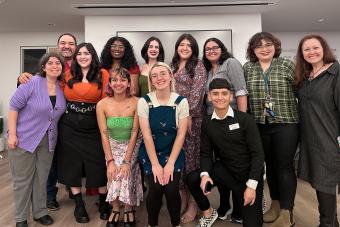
(52, 205)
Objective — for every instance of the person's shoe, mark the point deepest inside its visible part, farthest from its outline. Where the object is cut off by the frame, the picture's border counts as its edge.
(103, 207)
(207, 222)
(127, 221)
(224, 216)
(52, 205)
(21, 224)
(273, 213)
(236, 220)
(286, 219)
(79, 211)
(113, 219)
(44, 220)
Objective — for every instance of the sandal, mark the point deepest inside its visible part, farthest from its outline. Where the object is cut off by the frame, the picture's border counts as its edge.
(113, 219)
(127, 221)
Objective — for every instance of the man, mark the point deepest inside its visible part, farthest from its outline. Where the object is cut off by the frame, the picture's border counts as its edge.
(233, 139)
(67, 44)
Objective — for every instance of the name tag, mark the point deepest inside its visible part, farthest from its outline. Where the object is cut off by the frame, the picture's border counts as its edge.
(234, 126)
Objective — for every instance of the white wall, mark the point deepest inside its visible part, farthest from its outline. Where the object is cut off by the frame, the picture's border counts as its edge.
(290, 41)
(98, 29)
(10, 59)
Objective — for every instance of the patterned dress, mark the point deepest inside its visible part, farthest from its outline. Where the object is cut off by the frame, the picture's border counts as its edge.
(193, 89)
(128, 191)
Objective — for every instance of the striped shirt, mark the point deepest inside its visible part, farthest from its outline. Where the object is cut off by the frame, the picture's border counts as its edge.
(36, 115)
(280, 87)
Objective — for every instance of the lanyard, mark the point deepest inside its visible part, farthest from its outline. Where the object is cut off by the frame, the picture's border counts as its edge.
(265, 76)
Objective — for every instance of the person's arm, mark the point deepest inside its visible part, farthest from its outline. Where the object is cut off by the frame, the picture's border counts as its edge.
(12, 140)
(126, 166)
(242, 103)
(101, 119)
(105, 79)
(134, 75)
(24, 78)
(143, 113)
(178, 144)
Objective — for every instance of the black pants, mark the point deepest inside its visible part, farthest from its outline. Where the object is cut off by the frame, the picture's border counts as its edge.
(280, 142)
(327, 209)
(251, 215)
(225, 202)
(154, 200)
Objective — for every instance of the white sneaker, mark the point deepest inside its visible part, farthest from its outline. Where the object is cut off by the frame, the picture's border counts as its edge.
(207, 222)
(225, 216)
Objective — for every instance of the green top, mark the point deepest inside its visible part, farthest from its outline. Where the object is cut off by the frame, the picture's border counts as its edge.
(119, 128)
(280, 85)
(143, 85)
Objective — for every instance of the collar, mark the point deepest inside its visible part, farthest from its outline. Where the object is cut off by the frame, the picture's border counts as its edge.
(230, 113)
(334, 68)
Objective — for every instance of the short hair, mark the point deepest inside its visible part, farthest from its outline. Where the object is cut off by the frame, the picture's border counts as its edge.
(124, 73)
(69, 34)
(162, 64)
(44, 59)
(255, 41)
(219, 83)
(144, 50)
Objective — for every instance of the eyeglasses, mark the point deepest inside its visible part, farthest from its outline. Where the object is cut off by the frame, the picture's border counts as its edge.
(213, 49)
(114, 46)
(267, 45)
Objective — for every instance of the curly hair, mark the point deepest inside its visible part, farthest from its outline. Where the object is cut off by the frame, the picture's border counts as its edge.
(94, 74)
(192, 62)
(123, 73)
(256, 41)
(224, 53)
(144, 50)
(45, 58)
(303, 68)
(128, 60)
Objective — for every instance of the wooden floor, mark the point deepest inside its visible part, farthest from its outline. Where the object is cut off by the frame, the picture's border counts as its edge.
(306, 213)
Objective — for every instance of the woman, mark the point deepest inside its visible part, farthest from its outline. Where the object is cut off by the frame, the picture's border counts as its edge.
(79, 148)
(272, 102)
(35, 109)
(118, 123)
(191, 78)
(163, 117)
(318, 83)
(118, 52)
(151, 52)
(220, 64)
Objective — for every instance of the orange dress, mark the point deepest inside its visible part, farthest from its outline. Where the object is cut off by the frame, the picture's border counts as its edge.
(79, 148)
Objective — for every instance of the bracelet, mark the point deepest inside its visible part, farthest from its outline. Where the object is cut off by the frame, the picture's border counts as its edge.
(108, 161)
(126, 162)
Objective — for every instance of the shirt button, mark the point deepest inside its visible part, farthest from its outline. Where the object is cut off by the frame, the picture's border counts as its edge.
(50, 119)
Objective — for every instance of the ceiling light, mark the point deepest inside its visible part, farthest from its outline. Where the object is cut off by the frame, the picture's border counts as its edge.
(51, 24)
(321, 19)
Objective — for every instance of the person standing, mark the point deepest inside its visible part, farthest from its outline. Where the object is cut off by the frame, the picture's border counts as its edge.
(35, 109)
(272, 102)
(318, 88)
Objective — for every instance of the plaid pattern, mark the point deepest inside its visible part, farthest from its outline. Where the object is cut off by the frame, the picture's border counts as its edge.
(280, 87)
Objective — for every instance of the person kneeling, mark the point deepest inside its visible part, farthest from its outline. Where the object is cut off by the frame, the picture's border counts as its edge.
(233, 138)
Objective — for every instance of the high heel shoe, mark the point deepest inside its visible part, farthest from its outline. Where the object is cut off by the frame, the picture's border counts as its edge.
(113, 219)
(127, 221)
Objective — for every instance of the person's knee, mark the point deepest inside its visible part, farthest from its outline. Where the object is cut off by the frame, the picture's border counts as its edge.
(193, 179)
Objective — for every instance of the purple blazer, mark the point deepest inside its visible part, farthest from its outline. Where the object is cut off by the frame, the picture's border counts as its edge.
(36, 115)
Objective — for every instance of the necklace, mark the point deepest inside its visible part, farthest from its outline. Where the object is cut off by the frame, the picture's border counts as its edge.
(316, 73)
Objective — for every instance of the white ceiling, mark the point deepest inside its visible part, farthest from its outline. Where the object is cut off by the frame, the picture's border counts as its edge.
(283, 15)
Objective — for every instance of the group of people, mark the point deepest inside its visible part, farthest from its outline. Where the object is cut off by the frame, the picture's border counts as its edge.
(197, 124)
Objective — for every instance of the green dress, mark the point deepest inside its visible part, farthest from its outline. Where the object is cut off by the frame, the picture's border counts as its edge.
(143, 85)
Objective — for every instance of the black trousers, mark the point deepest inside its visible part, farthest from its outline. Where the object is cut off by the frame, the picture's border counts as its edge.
(327, 209)
(225, 202)
(154, 200)
(251, 215)
(280, 142)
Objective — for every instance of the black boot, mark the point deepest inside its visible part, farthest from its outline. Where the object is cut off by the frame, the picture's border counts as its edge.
(104, 207)
(80, 212)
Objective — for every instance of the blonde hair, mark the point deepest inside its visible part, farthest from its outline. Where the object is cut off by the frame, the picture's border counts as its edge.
(172, 82)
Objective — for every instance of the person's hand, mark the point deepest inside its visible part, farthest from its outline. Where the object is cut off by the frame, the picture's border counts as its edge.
(157, 171)
(204, 181)
(189, 125)
(24, 78)
(168, 174)
(125, 170)
(249, 196)
(12, 141)
(111, 171)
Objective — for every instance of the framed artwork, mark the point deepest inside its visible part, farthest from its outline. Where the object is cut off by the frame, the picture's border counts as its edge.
(30, 57)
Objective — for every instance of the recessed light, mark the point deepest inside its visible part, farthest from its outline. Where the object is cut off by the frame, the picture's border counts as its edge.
(321, 19)
(51, 24)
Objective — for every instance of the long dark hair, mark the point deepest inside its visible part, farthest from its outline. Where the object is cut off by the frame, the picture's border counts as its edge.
(144, 50)
(255, 41)
(224, 53)
(128, 60)
(303, 68)
(94, 73)
(192, 62)
(45, 58)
